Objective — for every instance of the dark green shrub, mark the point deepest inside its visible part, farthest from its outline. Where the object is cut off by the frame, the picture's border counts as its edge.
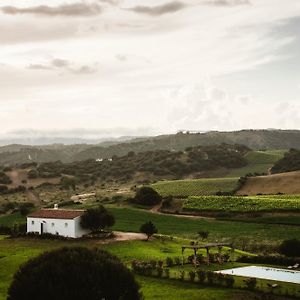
(201, 276)
(290, 248)
(181, 275)
(147, 196)
(59, 275)
(97, 218)
(167, 273)
(250, 283)
(169, 262)
(192, 275)
(229, 281)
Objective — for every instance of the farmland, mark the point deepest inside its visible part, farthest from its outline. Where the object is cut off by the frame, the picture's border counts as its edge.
(287, 183)
(242, 204)
(195, 187)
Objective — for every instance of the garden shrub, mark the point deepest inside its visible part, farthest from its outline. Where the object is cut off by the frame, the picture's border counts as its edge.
(169, 262)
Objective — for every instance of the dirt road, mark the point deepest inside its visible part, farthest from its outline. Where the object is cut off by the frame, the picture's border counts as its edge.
(124, 236)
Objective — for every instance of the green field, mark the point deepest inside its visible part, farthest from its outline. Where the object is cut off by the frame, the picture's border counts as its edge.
(128, 219)
(258, 162)
(242, 204)
(284, 220)
(195, 187)
(14, 252)
(153, 288)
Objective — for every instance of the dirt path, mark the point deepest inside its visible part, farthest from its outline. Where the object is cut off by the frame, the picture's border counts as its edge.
(33, 197)
(156, 210)
(15, 178)
(124, 236)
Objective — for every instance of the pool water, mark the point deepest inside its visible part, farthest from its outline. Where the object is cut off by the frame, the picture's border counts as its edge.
(265, 273)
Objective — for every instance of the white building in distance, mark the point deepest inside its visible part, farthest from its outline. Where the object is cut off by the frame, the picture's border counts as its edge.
(56, 221)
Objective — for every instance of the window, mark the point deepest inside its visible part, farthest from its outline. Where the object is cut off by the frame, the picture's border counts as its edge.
(52, 224)
(32, 222)
(66, 224)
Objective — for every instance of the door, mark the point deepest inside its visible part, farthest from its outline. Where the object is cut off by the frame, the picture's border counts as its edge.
(42, 228)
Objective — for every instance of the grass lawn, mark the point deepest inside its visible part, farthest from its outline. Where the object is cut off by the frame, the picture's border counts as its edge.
(131, 219)
(11, 219)
(285, 220)
(14, 252)
(153, 288)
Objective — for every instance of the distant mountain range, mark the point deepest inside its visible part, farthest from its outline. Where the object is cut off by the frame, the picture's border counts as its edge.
(254, 139)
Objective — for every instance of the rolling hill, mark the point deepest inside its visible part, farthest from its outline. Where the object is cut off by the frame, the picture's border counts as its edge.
(286, 183)
(254, 139)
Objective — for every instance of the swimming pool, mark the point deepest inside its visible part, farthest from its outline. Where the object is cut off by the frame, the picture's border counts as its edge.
(265, 273)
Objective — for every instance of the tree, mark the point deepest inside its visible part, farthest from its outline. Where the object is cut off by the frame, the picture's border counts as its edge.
(290, 248)
(149, 229)
(67, 183)
(147, 196)
(24, 210)
(97, 218)
(74, 274)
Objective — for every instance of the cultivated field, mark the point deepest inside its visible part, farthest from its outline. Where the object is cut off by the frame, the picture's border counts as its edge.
(242, 204)
(286, 183)
(195, 187)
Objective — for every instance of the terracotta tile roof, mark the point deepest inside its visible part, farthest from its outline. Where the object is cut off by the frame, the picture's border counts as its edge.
(56, 214)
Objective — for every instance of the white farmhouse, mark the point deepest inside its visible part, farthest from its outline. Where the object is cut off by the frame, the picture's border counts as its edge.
(56, 221)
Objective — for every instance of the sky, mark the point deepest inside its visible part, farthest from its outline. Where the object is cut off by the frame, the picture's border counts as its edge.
(145, 67)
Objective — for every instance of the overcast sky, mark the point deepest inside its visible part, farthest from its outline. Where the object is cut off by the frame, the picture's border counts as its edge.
(141, 67)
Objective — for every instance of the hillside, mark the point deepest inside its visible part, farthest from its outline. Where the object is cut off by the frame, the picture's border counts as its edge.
(254, 139)
(286, 183)
(194, 162)
(290, 162)
(258, 162)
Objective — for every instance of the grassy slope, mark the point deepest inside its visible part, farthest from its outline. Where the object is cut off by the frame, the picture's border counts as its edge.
(258, 162)
(130, 220)
(205, 186)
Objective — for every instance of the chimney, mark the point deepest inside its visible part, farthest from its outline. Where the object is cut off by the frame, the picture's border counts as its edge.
(55, 206)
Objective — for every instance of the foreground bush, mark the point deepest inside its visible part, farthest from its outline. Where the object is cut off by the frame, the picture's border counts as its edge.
(74, 274)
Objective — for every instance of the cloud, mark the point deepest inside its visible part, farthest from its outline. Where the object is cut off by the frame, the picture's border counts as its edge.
(85, 69)
(121, 57)
(58, 64)
(111, 2)
(227, 2)
(76, 9)
(39, 67)
(158, 10)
